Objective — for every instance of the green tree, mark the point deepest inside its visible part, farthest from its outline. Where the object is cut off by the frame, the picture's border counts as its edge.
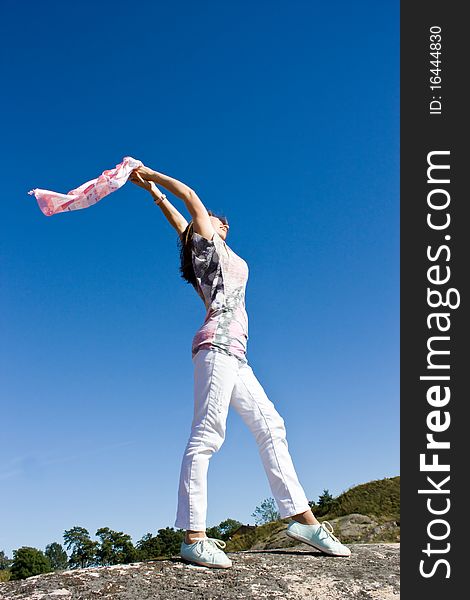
(227, 527)
(83, 548)
(214, 532)
(314, 507)
(149, 547)
(267, 512)
(116, 547)
(57, 556)
(29, 561)
(5, 562)
(325, 501)
(170, 541)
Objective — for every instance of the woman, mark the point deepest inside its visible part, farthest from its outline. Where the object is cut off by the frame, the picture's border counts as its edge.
(223, 378)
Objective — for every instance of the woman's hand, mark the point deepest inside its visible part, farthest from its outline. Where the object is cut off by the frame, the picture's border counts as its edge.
(136, 178)
(145, 173)
(147, 185)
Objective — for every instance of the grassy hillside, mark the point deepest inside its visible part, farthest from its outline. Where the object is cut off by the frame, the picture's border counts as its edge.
(379, 499)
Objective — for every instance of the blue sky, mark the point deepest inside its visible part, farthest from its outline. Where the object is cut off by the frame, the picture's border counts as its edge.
(285, 117)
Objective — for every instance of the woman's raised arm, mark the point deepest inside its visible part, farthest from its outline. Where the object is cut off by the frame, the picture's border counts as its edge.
(201, 219)
(173, 216)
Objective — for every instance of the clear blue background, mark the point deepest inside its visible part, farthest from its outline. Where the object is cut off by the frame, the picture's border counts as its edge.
(282, 115)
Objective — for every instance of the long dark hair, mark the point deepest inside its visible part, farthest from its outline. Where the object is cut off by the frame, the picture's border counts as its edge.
(185, 243)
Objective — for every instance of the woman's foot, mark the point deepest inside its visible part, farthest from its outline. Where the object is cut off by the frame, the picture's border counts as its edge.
(206, 552)
(319, 536)
(192, 536)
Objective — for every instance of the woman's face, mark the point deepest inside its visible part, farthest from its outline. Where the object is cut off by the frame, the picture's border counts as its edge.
(220, 227)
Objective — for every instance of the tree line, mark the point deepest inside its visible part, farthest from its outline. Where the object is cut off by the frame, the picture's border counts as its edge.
(116, 547)
(79, 550)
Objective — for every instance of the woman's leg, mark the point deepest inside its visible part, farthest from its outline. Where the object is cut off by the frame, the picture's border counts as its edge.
(267, 426)
(214, 377)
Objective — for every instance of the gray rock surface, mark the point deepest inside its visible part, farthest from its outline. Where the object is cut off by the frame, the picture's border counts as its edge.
(361, 528)
(296, 573)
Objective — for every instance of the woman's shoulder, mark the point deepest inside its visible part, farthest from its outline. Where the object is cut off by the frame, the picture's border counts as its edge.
(201, 241)
(207, 251)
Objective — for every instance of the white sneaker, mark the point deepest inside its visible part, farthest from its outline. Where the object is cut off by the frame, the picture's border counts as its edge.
(319, 536)
(206, 552)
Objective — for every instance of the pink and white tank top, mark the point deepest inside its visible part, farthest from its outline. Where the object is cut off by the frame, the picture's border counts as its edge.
(221, 282)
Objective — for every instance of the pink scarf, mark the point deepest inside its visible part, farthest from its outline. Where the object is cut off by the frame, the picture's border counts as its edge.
(88, 193)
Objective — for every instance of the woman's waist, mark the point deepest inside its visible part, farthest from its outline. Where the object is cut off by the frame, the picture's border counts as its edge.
(226, 316)
(237, 352)
(235, 344)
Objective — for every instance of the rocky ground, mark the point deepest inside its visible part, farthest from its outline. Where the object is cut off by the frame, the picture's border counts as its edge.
(294, 573)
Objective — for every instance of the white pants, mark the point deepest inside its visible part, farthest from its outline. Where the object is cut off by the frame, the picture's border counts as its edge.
(220, 381)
